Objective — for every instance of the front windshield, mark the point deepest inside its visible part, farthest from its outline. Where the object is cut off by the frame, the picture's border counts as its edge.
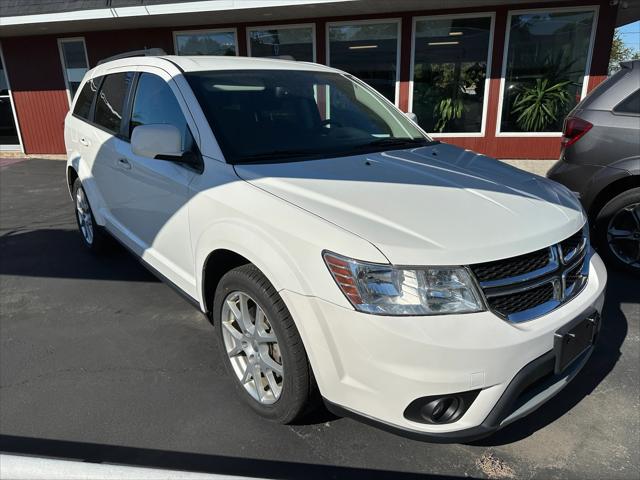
(291, 115)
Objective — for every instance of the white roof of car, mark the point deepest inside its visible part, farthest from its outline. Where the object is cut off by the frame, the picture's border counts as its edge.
(199, 63)
(210, 62)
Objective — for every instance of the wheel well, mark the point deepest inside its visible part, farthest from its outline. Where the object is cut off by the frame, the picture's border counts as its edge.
(217, 264)
(612, 190)
(71, 177)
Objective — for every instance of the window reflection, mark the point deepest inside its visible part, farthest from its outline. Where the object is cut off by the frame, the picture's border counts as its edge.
(295, 43)
(206, 43)
(368, 51)
(450, 69)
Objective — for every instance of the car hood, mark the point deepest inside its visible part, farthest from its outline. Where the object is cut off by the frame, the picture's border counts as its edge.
(437, 205)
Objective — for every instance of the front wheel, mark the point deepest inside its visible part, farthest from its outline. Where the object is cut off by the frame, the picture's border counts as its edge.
(261, 346)
(617, 231)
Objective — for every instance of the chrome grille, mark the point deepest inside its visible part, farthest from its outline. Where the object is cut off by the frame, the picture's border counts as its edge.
(531, 285)
(573, 245)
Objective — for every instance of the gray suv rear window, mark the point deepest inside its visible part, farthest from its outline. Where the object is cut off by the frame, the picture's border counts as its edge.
(630, 105)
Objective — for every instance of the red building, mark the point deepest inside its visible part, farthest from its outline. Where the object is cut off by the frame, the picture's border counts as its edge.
(468, 69)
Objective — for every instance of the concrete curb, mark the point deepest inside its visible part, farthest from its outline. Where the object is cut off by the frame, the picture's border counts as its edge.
(539, 167)
(50, 156)
(18, 467)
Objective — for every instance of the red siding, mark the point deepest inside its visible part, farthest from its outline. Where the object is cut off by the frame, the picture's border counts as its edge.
(242, 40)
(41, 115)
(39, 92)
(321, 42)
(405, 62)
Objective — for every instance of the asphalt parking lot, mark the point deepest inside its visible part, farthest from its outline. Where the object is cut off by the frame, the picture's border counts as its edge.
(102, 362)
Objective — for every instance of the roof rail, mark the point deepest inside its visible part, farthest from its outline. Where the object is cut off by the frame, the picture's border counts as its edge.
(146, 52)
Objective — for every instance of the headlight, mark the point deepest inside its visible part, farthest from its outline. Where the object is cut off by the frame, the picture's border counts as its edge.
(388, 290)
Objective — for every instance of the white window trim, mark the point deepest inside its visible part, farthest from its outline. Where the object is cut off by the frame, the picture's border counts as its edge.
(487, 80)
(64, 66)
(11, 147)
(204, 31)
(284, 27)
(397, 21)
(585, 82)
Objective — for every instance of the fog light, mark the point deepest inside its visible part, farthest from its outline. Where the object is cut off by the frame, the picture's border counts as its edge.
(440, 409)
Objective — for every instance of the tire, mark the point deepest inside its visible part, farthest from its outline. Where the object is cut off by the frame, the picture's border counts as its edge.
(620, 214)
(298, 394)
(94, 237)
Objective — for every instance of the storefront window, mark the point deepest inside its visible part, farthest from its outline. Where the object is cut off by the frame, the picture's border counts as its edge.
(546, 62)
(9, 139)
(449, 73)
(206, 42)
(369, 51)
(295, 43)
(74, 63)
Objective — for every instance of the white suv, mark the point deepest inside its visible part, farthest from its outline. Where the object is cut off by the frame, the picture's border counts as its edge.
(340, 252)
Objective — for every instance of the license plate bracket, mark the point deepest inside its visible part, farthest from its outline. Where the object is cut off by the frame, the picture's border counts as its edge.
(573, 339)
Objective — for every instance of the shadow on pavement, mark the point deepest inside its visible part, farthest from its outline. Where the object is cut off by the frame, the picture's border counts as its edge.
(622, 288)
(61, 254)
(195, 462)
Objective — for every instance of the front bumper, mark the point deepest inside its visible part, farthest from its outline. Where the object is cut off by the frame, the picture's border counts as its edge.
(373, 367)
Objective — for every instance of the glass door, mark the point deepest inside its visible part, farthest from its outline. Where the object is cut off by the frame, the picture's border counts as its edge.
(9, 136)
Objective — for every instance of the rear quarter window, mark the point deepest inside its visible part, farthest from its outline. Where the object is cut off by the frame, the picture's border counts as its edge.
(630, 105)
(83, 105)
(110, 104)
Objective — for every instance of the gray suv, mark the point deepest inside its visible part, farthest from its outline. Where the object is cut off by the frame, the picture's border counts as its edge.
(600, 161)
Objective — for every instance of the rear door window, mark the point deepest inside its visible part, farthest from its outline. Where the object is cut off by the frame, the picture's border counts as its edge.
(83, 105)
(111, 101)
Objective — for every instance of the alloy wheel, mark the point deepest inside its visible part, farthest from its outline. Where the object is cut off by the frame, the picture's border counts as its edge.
(83, 211)
(252, 347)
(623, 235)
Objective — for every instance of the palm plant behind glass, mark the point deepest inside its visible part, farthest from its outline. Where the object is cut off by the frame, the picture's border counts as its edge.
(540, 105)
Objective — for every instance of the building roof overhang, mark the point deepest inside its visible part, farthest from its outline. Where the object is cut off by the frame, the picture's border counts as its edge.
(68, 16)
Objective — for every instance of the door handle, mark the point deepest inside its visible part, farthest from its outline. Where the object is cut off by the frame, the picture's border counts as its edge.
(84, 141)
(124, 163)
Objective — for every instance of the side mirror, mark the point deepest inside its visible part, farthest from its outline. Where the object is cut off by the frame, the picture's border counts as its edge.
(412, 116)
(159, 141)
